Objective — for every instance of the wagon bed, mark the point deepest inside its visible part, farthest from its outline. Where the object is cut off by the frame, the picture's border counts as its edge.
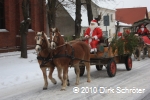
(108, 58)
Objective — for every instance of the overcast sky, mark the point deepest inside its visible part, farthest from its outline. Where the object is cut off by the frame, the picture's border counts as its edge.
(132, 3)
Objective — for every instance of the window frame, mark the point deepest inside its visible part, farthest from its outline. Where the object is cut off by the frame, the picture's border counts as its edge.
(2, 17)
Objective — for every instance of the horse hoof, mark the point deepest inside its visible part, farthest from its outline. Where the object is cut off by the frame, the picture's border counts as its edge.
(88, 81)
(55, 82)
(68, 84)
(76, 83)
(62, 90)
(44, 88)
(143, 58)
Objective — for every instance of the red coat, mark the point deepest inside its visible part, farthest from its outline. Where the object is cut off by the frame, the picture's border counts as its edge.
(145, 31)
(97, 33)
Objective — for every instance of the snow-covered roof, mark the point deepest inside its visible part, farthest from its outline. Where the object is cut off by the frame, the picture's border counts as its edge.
(71, 9)
(123, 24)
(107, 4)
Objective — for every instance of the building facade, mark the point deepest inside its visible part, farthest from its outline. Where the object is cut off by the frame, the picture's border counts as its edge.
(10, 19)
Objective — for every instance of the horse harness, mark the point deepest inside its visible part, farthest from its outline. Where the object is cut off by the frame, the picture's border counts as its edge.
(54, 56)
(44, 60)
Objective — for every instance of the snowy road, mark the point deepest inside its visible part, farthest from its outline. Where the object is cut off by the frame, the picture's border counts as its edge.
(21, 79)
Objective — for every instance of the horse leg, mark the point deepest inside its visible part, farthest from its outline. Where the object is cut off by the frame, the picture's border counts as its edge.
(60, 74)
(139, 54)
(45, 77)
(65, 75)
(135, 53)
(77, 73)
(148, 49)
(144, 52)
(87, 64)
(50, 75)
(68, 83)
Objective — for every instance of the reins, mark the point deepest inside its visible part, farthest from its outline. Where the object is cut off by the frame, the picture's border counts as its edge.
(50, 58)
(68, 55)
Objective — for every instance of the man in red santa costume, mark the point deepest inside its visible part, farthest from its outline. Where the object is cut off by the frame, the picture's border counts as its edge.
(143, 30)
(94, 34)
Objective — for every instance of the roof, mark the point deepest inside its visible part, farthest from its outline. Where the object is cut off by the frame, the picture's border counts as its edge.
(131, 15)
(105, 4)
(71, 9)
(123, 24)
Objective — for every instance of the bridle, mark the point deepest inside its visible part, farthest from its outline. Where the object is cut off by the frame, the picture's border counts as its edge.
(56, 39)
(42, 41)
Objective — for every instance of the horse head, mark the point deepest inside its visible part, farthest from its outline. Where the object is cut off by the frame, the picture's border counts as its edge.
(55, 38)
(41, 42)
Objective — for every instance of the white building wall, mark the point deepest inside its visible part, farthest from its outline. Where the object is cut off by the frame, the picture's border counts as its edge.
(96, 10)
(111, 28)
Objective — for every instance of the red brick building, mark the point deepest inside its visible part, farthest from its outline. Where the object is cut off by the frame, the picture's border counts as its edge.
(10, 18)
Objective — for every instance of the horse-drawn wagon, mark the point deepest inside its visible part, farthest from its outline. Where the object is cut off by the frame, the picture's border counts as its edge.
(55, 52)
(108, 56)
(143, 36)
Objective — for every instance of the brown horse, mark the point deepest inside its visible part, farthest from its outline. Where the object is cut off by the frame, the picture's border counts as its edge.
(69, 54)
(148, 49)
(142, 47)
(43, 56)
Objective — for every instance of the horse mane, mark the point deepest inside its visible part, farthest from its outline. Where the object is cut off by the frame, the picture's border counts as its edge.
(61, 39)
(46, 38)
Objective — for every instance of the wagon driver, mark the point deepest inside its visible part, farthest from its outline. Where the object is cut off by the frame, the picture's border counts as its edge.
(143, 30)
(93, 34)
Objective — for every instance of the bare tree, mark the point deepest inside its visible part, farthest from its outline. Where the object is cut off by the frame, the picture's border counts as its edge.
(89, 10)
(78, 18)
(51, 12)
(1, 1)
(24, 25)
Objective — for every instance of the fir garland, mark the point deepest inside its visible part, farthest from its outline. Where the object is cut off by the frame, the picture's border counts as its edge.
(126, 43)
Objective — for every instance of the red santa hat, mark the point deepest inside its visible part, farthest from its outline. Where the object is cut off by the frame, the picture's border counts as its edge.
(94, 21)
(127, 31)
(142, 25)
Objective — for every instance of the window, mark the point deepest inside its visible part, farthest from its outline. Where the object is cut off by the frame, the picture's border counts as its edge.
(2, 13)
(111, 16)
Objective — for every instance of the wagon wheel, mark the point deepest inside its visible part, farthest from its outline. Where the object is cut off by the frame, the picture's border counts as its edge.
(128, 63)
(111, 68)
(99, 67)
(82, 70)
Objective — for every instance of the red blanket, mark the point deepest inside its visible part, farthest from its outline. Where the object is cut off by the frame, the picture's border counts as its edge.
(146, 40)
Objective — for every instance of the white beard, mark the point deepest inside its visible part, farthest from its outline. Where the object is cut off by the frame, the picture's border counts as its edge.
(92, 27)
(142, 29)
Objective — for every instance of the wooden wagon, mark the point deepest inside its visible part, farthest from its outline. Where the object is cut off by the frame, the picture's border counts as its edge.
(108, 58)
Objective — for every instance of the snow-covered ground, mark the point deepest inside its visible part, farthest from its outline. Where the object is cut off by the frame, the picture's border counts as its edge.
(22, 79)
(15, 70)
